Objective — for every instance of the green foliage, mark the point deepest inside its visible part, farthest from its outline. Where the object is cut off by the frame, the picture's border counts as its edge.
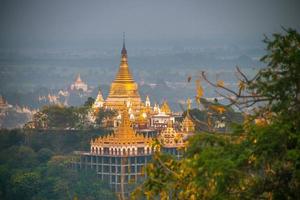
(44, 154)
(103, 114)
(25, 185)
(10, 137)
(35, 166)
(279, 83)
(59, 117)
(256, 161)
(89, 102)
(229, 117)
(55, 117)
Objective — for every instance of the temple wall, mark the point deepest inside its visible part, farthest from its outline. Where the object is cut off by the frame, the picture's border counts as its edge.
(121, 172)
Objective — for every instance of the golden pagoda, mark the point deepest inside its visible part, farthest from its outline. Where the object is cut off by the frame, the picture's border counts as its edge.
(123, 88)
(165, 108)
(124, 141)
(187, 124)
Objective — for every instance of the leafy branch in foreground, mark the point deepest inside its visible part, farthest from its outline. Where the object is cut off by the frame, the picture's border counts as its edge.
(256, 161)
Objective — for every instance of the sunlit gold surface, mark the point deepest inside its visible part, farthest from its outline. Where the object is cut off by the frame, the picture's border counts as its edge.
(170, 138)
(124, 136)
(165, 108)
(123, 88)
(188, 125)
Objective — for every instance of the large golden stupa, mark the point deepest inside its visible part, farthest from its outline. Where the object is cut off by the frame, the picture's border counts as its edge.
(123, 89)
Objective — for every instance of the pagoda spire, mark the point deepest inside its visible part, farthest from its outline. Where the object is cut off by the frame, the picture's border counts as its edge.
(123, 88)
(124, 74)
(124, 51)
(78, 78)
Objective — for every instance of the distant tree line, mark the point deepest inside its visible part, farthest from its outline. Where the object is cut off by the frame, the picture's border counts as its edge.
(59, 117)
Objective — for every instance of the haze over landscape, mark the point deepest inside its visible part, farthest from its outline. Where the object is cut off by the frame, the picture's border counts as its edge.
(160, 99)
(47, 43)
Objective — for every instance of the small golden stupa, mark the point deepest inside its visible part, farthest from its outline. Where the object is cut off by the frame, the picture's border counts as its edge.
(165, 108)
(123, 88)
(187, 124)
(124, 141)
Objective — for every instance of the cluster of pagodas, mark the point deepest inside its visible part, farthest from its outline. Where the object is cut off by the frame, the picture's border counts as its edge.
(133, 114)
(124, 90)
(125, 141)
(121, 156)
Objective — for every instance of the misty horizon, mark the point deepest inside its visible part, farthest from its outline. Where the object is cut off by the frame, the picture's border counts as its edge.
(47, 24)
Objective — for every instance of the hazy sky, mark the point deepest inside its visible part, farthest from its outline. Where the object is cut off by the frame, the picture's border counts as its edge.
(26, 22)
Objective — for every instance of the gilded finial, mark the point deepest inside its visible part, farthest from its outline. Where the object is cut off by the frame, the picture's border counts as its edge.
(123, 39)
(124, 51)
(188, 102)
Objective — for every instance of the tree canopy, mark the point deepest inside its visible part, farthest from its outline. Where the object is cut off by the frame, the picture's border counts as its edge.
(38, 166)
(256, 161)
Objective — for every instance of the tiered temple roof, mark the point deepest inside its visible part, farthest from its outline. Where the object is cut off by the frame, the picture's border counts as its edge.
(123, 141)
(187, 124)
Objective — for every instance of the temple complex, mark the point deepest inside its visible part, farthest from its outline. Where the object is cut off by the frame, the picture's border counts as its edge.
(124, 90)
(162, 116)
(171, 141)
(79, 84)
(14, 116)
(118, 158)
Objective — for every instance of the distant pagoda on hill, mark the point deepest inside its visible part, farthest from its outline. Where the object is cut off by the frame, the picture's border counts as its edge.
(79, 84)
